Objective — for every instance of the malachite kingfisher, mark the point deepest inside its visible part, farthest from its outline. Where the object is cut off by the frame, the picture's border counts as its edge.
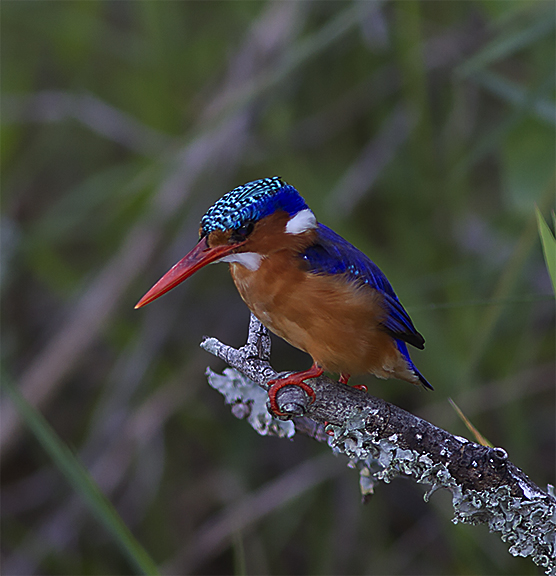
(305, 283)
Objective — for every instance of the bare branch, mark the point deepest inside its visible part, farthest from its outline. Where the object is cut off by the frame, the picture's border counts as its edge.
(385, 441)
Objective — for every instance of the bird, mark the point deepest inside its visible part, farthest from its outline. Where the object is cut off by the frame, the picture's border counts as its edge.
(305, 283)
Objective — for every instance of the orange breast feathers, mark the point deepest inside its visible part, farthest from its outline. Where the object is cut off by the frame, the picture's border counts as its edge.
(334, 320)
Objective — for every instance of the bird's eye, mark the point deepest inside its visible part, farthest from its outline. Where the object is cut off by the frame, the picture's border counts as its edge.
(243, 231)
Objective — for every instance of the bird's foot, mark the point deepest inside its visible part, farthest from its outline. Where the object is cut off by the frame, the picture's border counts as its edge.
(296, 379)
(344, 378)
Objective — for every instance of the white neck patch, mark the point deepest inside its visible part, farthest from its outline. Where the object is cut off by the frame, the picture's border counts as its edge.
(304, 220)
(251, 260)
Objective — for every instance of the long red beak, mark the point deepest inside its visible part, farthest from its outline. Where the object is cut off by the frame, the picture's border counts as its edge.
(200, 256)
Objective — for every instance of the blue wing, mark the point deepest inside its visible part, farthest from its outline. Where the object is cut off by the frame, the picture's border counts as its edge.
(331, 254)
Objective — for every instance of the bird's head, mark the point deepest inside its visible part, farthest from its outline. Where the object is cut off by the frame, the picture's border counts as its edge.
(244, 226)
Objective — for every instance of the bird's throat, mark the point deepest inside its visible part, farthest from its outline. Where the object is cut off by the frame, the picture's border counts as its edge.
(251, 260)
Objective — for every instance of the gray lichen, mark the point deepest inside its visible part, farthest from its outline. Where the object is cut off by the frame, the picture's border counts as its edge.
(384, 442)
(248, 401)
(528, 525)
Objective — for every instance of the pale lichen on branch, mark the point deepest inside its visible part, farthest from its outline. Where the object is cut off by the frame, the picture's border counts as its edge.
(384, 441)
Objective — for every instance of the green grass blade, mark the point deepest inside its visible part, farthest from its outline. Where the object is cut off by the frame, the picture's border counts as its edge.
(81, 481)
(548, 245)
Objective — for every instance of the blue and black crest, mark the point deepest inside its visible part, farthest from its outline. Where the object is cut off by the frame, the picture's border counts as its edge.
(251, 202)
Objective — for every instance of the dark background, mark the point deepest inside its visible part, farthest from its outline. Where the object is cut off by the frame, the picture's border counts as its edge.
(423, 132)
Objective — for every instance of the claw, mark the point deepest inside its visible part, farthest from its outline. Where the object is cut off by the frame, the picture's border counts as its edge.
(296, 379)
(344, 378)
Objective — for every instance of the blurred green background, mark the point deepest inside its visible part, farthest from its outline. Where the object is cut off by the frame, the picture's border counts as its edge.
(423, 132)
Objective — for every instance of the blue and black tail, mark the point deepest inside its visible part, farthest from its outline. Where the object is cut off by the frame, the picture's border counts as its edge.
(402, 347)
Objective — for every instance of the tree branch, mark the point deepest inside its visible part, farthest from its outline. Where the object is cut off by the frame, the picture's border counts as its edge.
(384, 441)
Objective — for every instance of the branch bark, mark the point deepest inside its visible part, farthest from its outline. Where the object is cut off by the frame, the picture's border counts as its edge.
(384, 441)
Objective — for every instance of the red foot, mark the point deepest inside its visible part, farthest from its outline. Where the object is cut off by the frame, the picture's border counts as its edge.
(344, 378)
(292, 380)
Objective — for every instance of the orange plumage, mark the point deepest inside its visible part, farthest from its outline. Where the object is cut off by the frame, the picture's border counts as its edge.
(304, 283)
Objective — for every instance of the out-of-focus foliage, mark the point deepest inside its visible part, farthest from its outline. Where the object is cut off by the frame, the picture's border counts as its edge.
(548, 245)
(421, 131)
(80, 479)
